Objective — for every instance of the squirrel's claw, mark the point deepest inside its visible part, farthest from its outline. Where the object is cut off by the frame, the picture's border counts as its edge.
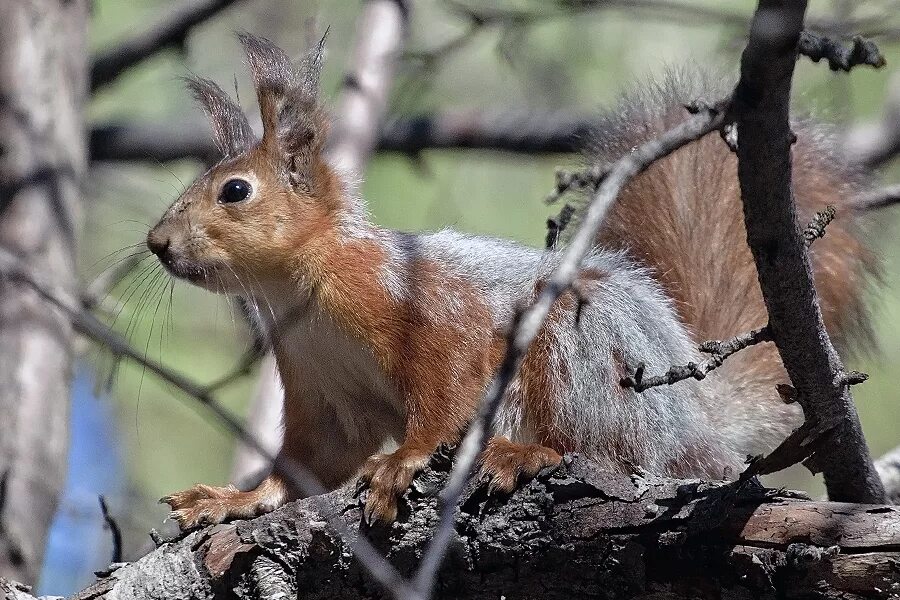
(388, 476)
(504, 462)
(210, 505)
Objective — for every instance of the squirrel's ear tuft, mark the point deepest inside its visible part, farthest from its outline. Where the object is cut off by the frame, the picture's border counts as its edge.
(231, 130)
(294, 122)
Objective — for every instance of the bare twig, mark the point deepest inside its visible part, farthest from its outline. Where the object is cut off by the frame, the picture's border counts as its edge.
(296, 474)
(718, 351)
(761, 111)
(170, 31)
(114, 530)
(528, 322)
(839, 57)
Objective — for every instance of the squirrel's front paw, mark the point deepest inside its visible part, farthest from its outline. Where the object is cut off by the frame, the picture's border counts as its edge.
(503, 462)
(388, 476)
(210, 505)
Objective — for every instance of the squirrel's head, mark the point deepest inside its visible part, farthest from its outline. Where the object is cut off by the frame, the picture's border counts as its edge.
(245, 219)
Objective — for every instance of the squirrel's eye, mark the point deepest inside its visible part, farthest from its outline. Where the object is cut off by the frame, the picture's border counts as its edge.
(235, 190)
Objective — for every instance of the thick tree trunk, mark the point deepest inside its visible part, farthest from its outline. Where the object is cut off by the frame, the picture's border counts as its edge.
(573, 533)
(43, 79)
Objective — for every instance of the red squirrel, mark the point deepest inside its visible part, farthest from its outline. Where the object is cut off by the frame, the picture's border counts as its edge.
(381, 334)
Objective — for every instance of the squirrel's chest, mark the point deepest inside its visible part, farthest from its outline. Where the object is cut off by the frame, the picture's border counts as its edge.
(327, 369)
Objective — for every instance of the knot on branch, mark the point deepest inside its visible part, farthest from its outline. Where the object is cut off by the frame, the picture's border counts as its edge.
(839, 57)
(852, 377)
(816, 227)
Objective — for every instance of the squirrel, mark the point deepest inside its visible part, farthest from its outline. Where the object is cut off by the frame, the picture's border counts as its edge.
(380, 334)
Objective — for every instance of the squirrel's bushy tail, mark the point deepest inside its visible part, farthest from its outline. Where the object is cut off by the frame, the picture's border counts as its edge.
(683, 219)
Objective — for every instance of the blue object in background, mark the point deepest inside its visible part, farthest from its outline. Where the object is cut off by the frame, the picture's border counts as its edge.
(78, 542)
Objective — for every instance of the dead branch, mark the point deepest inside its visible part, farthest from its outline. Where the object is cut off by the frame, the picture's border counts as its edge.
(718, 351)
(839, 57)
(114, 531)
(381, 32)
(515, 130)
(761, 111)
(171, 31)
(576, 530)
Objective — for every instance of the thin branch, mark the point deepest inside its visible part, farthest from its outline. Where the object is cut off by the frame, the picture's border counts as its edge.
(761, 109)
(528, 322)
(296, 474)
(171, 31)
(114, 530)
(718, 352)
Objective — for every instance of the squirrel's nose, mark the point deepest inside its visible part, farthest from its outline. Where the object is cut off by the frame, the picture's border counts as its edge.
(158, 243)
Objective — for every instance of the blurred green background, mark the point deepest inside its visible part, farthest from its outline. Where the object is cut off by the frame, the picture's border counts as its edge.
(570, 63)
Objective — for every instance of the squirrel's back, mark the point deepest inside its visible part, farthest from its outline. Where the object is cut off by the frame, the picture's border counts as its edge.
(683, 219)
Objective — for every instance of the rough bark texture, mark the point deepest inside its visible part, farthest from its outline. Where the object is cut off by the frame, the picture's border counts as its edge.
(43, 78)
(761, 107)
(573, 533)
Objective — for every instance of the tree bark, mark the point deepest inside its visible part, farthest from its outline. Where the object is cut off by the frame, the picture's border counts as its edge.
(43, 81)
(575, 532)
(831, 440)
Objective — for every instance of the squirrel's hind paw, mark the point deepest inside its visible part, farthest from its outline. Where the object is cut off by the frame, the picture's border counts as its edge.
(210, 505)
(504, 462)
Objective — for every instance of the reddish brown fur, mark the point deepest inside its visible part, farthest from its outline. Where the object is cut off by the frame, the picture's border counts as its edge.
(683, 218)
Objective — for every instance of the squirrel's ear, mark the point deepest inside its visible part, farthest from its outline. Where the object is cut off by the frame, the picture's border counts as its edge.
(294, 122)
(231, 130)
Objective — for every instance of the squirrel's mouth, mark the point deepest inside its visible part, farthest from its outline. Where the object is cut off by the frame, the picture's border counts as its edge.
(188, 270)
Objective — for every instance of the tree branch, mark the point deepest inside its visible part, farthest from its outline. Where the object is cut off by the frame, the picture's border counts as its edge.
(510, 130)
(761, 109)
(718, 353)
(577, 528)
(169, 32)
